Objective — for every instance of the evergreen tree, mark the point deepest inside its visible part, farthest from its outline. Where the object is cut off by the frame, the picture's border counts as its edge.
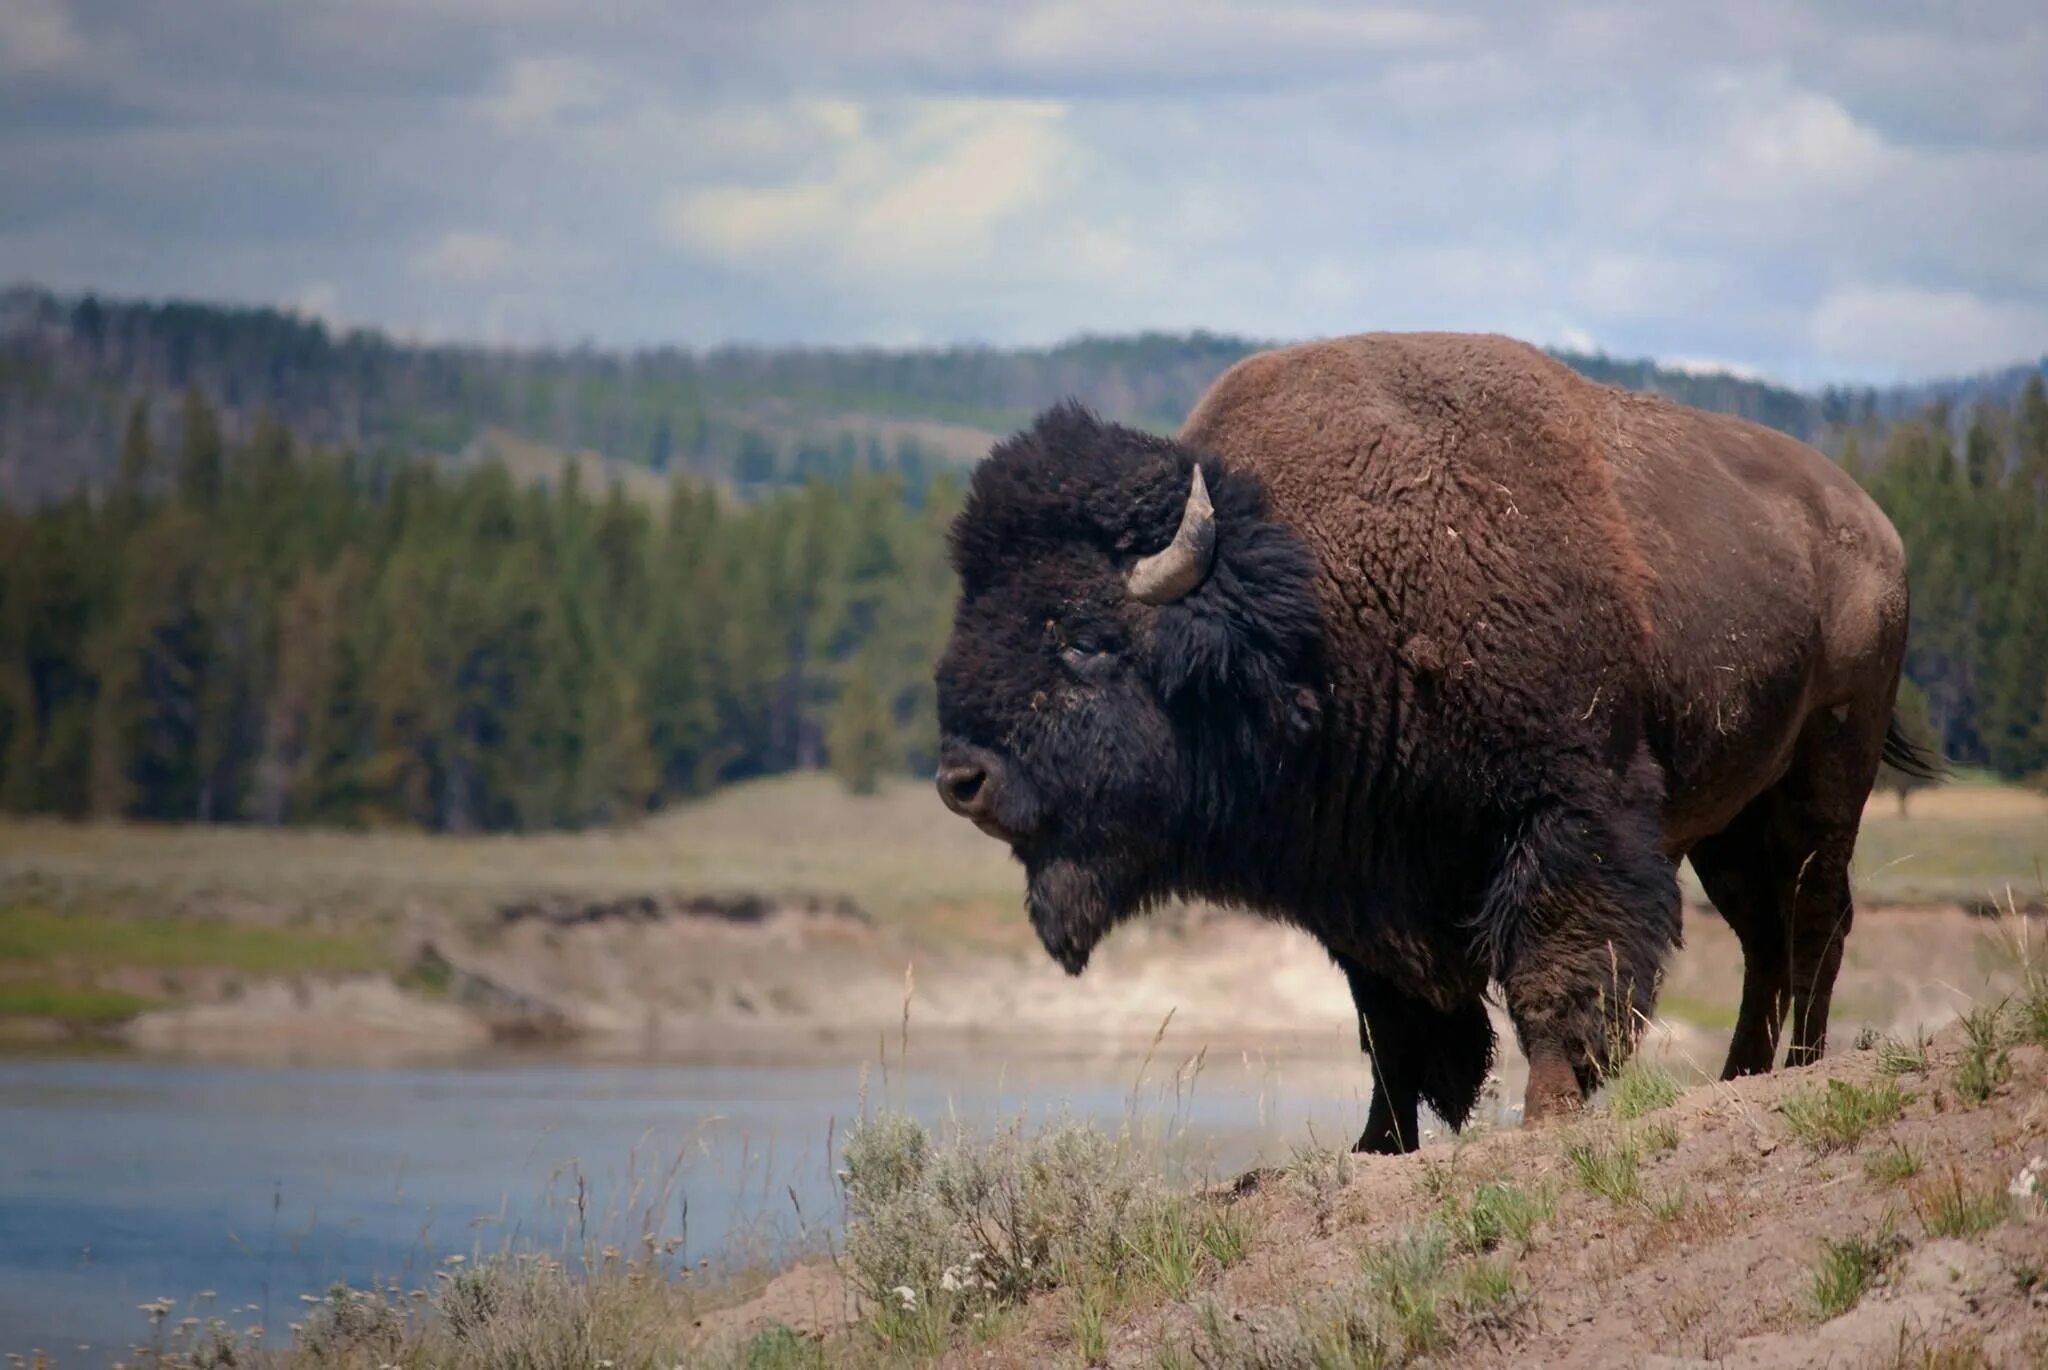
(201, 462)
(863, 744)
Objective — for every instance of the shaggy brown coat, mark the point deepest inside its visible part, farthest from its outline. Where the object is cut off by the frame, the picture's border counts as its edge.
(1486, 648)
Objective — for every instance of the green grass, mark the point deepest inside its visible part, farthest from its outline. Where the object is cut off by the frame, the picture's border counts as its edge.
(39, 937)
(1167, 1245)
(81, 1005)
(1496, 1212)
(1840, 1115)
(1639, 1088)
(1609, 1166)
(781, 1348)
(1902, 1058)
(1846, 1270)
(1985, 1062)
(1406, 1277)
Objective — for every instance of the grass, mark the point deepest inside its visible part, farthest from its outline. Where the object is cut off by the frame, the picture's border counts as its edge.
(1985, 1062)
(1841, 1114)
(781, 1348)
(1896, 1164)
(1846, 1269)
(1640, 1087)
(1496, 1212)
(896, 853)
(1406, 1278)
(78, 1004)
(1953, 1207)
(39, 937)
(1609, 1166)
(1901, 1058)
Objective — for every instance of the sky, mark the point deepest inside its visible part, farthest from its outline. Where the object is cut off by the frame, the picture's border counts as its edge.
(1854, 191)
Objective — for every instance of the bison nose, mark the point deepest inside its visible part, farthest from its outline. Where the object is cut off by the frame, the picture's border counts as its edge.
(965, 787)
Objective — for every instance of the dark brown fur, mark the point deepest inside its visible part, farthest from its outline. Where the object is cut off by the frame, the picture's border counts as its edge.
(1565, 636)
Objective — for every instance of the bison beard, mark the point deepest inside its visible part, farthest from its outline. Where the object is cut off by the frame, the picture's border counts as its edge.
(1332, 667)
(1072, 908)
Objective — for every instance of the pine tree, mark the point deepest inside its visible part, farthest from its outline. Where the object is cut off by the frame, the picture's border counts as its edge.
(862, 742)
(201, 460)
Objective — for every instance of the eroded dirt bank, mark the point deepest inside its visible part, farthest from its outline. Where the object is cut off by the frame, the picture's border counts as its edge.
(677, 974)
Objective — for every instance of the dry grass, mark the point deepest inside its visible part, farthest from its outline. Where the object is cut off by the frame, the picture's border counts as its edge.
(897, 853)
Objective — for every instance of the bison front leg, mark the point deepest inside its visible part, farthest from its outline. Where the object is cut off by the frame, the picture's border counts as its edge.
(1420, 1053)
(1582, 918)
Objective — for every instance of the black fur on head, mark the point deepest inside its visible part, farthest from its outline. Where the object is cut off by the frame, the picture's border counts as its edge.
(1130, 746)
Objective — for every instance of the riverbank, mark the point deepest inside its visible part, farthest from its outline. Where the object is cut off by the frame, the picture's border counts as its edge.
(781, 913)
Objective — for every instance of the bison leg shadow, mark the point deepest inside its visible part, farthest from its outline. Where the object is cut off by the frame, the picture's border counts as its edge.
(1420, 1054)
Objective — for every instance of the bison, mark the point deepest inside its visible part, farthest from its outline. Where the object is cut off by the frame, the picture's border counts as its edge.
(1446, 655)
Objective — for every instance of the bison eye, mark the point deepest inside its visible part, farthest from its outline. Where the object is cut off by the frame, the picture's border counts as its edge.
(1086, 659)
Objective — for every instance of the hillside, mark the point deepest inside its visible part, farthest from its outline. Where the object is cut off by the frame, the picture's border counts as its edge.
(69, 368)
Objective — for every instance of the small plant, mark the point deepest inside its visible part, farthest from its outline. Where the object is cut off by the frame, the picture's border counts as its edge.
(1901, 1058)
(1639, 1088)
(1344, 1336)
(1090, 1304)
(1867, 1037)
(1660, 1136)
(1489, 1290)
(1952, 1208)
(1226, 1235)
(1496, 1212)
(1610, 1168)
(2030, 1014)
(1985, 1062)
(1166, 1245)
(1406, 1277)
(1322, 1174)
(1896, 1164)
(781, 1348)
(1840, 1115)
(1669, 1207)
(1847, 1268)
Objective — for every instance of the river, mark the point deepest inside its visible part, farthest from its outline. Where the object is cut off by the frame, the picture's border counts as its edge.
(233, 1190)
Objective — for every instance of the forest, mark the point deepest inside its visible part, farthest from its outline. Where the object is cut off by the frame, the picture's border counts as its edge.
(260, 633)
(239, 623)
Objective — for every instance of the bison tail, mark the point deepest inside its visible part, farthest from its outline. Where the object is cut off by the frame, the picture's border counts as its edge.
(1912, 758)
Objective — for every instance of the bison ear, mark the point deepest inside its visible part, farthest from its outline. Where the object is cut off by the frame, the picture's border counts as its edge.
(1178, 569)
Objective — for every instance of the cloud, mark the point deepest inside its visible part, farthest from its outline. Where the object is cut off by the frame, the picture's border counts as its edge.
(1904, 331)
(538, 91)
(464, 255)
(1837, 191)
(36, 35)
(924, 191)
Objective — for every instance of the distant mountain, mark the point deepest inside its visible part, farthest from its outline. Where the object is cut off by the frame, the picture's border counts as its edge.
(70, 366)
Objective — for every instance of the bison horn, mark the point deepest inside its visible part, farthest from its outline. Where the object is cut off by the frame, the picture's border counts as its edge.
(1176, 569)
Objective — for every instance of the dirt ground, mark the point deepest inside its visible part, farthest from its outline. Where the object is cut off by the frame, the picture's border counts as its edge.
(1714, 1265)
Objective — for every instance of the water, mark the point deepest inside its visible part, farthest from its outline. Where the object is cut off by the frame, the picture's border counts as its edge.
(124, 1181)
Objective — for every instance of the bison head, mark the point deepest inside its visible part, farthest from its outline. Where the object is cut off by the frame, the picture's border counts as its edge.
(1134, 669)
